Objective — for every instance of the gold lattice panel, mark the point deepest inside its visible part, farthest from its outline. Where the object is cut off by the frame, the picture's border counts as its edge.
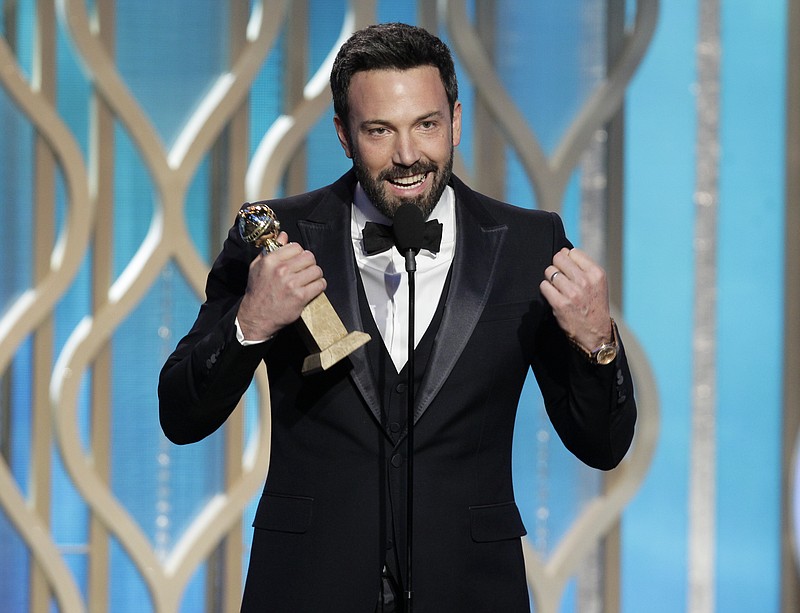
(168, 241)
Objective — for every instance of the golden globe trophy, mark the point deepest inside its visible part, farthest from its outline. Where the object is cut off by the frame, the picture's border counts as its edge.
(326, 336)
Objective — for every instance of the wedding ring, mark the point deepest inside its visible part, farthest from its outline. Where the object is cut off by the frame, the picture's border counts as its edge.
(553, 276)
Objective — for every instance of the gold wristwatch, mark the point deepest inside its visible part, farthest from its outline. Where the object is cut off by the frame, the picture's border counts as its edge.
(605, 353)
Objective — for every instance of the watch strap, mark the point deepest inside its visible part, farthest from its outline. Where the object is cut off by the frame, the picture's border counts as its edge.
(591, 356)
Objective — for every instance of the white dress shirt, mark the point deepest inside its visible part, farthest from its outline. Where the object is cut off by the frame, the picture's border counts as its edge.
(386, 281)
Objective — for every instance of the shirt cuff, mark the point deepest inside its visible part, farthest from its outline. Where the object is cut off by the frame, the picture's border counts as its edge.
(243, 341)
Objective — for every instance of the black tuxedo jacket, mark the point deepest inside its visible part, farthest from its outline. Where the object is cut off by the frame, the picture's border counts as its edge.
(320, 528)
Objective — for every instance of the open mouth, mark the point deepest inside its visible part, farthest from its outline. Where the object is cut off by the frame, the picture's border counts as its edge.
(408, 182)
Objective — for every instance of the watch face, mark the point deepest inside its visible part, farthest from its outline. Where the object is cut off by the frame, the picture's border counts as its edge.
(606, 354)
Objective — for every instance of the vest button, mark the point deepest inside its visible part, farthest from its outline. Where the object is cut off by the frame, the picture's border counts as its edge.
(397, 460)
(400, 388)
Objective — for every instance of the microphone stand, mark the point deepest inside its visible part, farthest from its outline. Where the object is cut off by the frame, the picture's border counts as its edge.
(411, 268)
(409, 229)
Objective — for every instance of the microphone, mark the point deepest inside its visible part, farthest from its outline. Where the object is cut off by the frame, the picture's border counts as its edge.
(409, 230)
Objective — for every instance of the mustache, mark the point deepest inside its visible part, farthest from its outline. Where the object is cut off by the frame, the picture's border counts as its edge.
(399, 172)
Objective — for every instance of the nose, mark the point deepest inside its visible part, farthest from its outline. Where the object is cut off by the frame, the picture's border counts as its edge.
(406, 151)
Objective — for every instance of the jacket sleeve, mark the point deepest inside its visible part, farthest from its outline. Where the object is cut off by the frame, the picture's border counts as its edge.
(204, 378)
(591, 407)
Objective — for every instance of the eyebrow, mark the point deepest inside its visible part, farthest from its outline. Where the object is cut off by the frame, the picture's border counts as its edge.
(386, 122)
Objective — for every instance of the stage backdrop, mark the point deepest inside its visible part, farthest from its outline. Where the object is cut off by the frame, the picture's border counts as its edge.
(131, 132)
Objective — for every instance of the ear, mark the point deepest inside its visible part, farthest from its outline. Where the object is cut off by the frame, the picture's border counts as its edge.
(344, 136)
(456, 123)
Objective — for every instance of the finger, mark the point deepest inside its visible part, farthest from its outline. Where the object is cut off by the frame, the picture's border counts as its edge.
(292, 256)
(316, 287)
(307, 276)
(553, 295)
(304, 287)
(548, 291)
(568, 265)
(578, 268)
(581, 259)
(288, 250)
(553, 273)
(304, 262)
(281, 265)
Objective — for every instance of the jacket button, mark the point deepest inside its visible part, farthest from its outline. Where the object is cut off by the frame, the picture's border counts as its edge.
(397, 460)
(394, 427)
(400, 388)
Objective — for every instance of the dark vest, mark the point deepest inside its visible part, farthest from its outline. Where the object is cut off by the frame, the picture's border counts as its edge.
(394, 408)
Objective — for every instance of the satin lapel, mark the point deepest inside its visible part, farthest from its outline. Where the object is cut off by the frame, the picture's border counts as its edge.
(326, 233)
(478, 243)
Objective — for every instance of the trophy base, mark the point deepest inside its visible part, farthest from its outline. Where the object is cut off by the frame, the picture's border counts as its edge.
(329, 356)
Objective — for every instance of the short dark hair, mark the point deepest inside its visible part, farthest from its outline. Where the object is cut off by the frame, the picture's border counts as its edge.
(390, 46)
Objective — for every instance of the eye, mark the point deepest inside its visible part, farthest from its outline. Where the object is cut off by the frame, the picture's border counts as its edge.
(377, 131)
(428, 124)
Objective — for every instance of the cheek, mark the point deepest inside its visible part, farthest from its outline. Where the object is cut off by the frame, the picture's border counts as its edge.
(438, 149)
(374, 158)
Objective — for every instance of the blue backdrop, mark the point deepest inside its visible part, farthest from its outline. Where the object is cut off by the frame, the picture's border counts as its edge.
(168, 71)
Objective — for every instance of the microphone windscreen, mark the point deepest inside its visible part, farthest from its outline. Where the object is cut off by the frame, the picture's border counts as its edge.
(408, 228)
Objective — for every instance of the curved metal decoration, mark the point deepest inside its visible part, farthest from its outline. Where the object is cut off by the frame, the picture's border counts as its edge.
(168, 240)
(172, 172)
(549, 177)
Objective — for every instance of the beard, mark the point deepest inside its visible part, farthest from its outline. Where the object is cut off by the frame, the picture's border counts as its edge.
(375, 189)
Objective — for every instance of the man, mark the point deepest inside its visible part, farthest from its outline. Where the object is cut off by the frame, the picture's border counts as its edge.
(504, 292)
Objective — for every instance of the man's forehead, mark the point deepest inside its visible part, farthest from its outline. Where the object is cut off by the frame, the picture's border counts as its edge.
(424, 70)
(374, 86)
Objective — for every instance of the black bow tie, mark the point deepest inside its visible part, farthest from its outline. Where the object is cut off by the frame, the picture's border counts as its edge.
(379, 237)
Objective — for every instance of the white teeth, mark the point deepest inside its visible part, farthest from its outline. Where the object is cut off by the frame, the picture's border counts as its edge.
(409, 181)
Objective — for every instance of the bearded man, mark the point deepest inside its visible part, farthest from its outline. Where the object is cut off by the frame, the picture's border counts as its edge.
(503, 291)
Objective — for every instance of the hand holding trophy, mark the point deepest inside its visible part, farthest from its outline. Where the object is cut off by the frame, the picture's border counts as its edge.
(325, 333)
